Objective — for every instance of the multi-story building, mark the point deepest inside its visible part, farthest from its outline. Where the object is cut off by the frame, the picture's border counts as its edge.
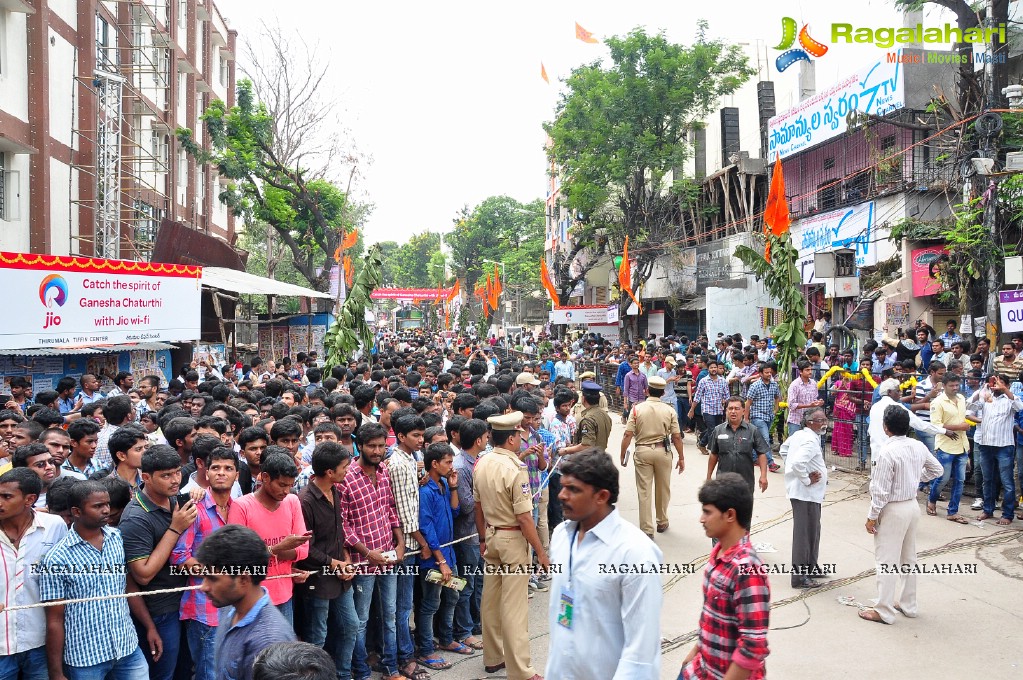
(93, 91)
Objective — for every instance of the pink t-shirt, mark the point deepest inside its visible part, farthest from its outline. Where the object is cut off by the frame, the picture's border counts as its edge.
(273, 527)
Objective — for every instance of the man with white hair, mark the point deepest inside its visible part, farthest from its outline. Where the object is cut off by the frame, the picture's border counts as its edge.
(890, 392)
(806, 480)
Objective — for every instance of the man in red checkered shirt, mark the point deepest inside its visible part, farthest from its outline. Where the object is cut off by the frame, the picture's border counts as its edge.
(736, 594)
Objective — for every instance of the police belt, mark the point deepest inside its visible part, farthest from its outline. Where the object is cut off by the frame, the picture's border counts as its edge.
(506, 528)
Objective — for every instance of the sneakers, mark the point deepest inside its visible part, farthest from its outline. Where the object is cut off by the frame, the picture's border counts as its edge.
(978, 504)
(537, 584)
(774, 467)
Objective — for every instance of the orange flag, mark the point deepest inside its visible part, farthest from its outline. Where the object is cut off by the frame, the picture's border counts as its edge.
(349, 271)
(543, 73)
(497, 281)
(454, 291)
(350, 239)
(625, 269)
(776, 214)
(584, 35)
(548, 284)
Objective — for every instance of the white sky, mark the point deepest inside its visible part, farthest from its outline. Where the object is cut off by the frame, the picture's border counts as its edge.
(447, 97)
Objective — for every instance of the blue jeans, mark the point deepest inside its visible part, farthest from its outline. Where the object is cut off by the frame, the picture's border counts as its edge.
(1019, 467)
(470, 567)
(387, 586)
(31, 665)
(793, 428)
(926, 439)
(955, 468)
(438, 606)
(338, 616)
(202, 643)
(862, 423)
(169, 627)
(404, 605)
(131, 667)
(710, 421)
(997, 462)
(683, 412)
(287, 610)
(764, 428)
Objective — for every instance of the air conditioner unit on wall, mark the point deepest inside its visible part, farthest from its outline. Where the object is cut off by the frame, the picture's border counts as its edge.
(1014, 161)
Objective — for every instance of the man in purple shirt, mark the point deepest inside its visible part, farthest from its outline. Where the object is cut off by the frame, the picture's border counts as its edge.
(634, 385)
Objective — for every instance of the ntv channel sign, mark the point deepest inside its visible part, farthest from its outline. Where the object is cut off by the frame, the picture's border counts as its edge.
(74, 301)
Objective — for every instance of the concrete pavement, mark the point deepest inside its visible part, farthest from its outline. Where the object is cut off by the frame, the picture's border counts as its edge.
(967, 622)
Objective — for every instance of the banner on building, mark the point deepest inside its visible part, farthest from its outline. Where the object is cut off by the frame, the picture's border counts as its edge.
(612, 313)
(655, 322)
(583, 314)
(1011, 303)
(921, 261)
(876, 90)
(848, 228)
(66, 301)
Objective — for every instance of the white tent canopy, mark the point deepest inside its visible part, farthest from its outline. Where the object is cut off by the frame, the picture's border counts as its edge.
(243, 282)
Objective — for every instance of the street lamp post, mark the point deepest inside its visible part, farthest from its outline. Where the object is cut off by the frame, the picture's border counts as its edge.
(504, 279)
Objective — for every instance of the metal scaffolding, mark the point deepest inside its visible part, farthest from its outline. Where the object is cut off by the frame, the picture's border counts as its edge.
(108, 165)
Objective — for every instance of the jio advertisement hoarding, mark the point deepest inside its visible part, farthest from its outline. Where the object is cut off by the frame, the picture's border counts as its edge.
(56, 301)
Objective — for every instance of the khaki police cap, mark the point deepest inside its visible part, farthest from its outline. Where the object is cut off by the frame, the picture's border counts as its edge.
(657, 383)
(506, 423)
(526, 378)
(587, 374)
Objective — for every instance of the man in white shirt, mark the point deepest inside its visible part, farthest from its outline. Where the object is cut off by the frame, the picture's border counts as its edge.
(564, 368)
(890, 394)
(996, 440)
(26, 537)
(806, 479)
(902, 464)
(603, 623)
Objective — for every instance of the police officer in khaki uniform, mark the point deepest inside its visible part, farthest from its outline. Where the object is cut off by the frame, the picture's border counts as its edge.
(504, 520)
(653, 423)
(593, 424)
(580, 405)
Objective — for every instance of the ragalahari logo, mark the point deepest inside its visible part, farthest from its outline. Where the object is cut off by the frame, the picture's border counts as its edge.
(808, 46)
(53, 289)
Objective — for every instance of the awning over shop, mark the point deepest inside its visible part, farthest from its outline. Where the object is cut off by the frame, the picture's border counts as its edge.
(697, 303)
(93, 349)
(243, 282)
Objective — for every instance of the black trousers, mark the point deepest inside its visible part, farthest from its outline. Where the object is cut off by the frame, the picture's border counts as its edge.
(806, 538)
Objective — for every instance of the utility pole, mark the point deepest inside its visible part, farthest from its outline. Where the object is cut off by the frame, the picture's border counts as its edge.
(995, 78)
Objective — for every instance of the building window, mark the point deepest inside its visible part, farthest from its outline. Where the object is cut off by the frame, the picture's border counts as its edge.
(182, 14)
(225, 71)
(106, 55)
(3, 42)
(147, 219)
(829, 163)
(182, 167)
(827, 195)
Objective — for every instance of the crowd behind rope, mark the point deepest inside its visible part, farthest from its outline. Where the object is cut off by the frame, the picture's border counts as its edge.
(269, 501)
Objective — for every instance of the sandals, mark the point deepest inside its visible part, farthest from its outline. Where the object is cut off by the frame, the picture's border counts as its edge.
(472, 641)
(871, 615)
(932, 509)
(458, 648)
(958, 519)
(434, 663)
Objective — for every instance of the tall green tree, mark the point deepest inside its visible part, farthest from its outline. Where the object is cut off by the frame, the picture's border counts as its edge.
(309, 214)
(503, 230)
(409, 265)
(620, 136)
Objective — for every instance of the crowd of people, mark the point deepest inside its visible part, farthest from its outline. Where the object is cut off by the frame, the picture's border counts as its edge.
(400, 511)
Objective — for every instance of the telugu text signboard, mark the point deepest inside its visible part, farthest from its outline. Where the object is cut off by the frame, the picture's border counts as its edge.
(851, 228)
(876, 90)
(69, 301)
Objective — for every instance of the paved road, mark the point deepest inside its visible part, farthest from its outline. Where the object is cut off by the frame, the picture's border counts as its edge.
(965, 620)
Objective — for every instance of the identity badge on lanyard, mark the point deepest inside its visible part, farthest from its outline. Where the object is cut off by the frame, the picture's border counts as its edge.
(566, 606)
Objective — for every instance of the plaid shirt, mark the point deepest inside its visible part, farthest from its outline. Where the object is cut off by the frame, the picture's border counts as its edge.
(195, 605)
(711, 394)
(368, 513)
(404, 478)
(736, 614)
(800, 393)
(763, 398)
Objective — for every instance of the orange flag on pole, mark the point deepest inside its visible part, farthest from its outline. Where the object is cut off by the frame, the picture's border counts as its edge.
(454, 291)
(584, 35)
(497, 282)
(350, 239)
(543, 73)
(776, 214)
(548, 284)
(625, 269)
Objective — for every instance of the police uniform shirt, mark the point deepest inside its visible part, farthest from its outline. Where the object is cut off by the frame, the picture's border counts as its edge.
(594, 427)
(501, 485)
(656, 421)
(734, 449)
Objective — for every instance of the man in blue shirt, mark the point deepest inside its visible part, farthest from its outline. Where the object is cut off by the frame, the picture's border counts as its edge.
(438, 501)
(235, 560)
